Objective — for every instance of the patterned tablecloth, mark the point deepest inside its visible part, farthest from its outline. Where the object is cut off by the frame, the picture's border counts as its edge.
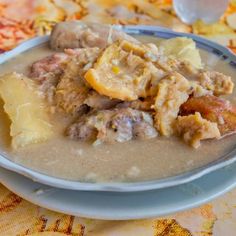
(23, 19)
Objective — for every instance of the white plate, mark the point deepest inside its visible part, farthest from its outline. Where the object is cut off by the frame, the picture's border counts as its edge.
(222, 52)
(123, 206)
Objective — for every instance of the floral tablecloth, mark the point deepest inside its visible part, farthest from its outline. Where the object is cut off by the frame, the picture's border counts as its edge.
(23, 19)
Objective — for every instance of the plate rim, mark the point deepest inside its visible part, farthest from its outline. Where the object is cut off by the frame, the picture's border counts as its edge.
(186, 196)
(222, 52)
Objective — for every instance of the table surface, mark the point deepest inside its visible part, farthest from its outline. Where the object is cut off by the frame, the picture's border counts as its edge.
(20, 20)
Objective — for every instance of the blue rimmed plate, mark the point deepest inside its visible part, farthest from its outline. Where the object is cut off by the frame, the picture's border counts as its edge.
(222, 52)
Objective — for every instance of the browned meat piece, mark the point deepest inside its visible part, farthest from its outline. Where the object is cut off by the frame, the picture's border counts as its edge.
(213, 109)
(50, 64)
(100, 102)
(217, 82)
(78, 34)
(193, 129)
(117, 125)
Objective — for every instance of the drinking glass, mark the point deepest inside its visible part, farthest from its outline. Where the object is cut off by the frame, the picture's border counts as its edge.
(207, 10)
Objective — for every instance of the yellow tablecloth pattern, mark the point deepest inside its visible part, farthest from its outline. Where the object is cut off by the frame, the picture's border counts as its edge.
(23, 19)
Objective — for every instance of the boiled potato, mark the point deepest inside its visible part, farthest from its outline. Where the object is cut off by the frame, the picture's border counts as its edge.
(26, 110)
(182, 48)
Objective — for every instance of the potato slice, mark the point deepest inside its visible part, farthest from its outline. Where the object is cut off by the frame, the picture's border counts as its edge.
(26, 110)
(121, 72)
(183, 49)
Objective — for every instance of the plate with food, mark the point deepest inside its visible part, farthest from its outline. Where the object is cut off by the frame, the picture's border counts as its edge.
(111, 108)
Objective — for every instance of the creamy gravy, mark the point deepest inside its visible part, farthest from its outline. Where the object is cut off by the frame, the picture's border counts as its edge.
(130, 161)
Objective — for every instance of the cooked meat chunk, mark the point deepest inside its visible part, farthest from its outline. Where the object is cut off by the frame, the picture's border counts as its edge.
(100, 102)
(82, 130)
(117, 125)
(217, 82)
(78, 34)
(71, 90)
(51, 64)
(47, 72)
(172, 92)
(61, 74)
(193, 129)
(213, 109)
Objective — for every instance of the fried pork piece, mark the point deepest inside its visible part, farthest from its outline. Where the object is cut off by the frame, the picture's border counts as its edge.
(193, 129)
(122, 72)
(173, 91)
(213, 109)
(78, 34)
(217, 82)
(117, 125)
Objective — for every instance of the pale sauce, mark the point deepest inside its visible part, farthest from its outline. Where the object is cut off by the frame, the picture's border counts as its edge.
(130, 161)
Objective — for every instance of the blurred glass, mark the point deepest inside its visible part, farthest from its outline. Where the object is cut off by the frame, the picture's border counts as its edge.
(207, 10)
